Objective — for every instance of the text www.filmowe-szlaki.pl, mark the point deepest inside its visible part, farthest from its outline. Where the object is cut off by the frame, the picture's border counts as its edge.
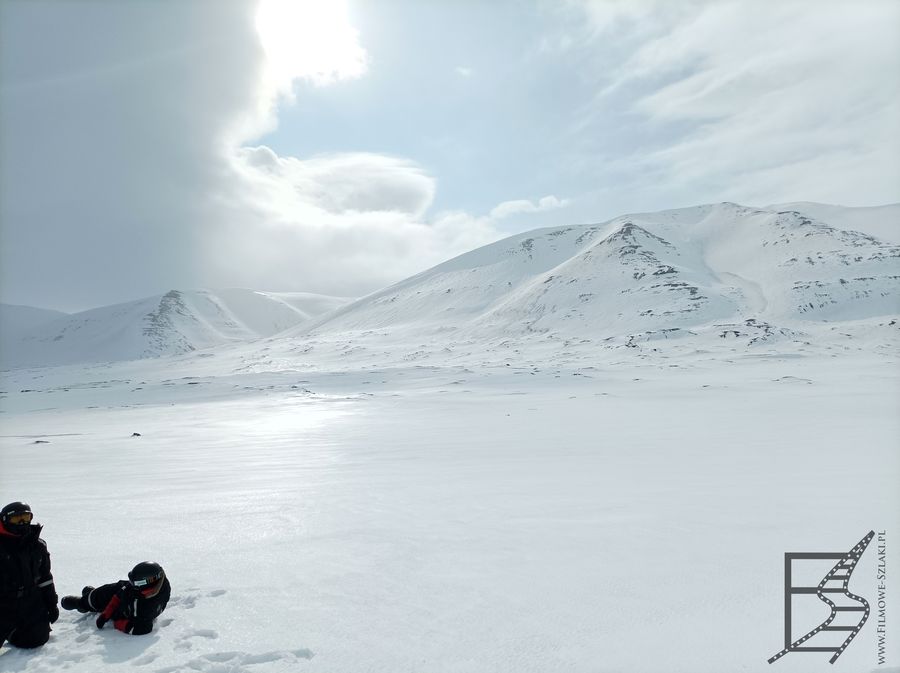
(881, 577)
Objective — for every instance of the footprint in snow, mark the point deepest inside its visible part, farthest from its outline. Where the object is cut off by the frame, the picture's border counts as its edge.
(185, 642)
(188, 599)
(238, 662)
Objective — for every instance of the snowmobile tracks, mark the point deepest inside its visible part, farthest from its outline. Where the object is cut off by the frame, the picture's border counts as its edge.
(841, 572)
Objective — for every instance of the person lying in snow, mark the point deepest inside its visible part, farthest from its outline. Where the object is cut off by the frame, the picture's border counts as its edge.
(131, 605)
(27, 595)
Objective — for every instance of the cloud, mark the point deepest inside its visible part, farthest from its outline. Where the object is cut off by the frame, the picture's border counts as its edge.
(520, 206)
(339, 183)
(463, 71)
(337, 224)
(606, 16)
(751, 102)
(114, 116)
(346, 224)
(295, 41)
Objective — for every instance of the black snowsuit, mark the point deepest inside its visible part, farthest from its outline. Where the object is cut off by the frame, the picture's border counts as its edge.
(124, 605)
(27, 595)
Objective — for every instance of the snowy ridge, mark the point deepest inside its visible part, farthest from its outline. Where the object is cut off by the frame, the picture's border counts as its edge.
(700, 268)
(20, 319)
(16, 321)
(877, 221)
(175, 323)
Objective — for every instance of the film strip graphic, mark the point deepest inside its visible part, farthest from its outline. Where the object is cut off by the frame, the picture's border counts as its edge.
(834, 582)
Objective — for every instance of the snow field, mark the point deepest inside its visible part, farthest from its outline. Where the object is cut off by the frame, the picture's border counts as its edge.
(633, 521)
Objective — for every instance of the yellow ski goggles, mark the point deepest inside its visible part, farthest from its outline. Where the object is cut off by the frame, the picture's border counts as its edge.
(18, 518)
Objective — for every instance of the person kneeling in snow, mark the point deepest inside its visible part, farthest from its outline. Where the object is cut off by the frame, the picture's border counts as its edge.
(27, 595)
(131, 605)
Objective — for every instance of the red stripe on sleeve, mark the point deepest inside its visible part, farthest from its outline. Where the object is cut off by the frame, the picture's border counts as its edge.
(111, 606)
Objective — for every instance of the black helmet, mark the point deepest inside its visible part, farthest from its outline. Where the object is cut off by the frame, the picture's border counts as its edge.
(16, 518)
(147, 577)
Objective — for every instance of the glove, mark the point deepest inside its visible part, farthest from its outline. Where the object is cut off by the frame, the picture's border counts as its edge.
(53, 612)
(101, 621)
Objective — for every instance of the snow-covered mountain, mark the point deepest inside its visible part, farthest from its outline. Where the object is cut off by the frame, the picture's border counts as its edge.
(174, 323)
(721, 267)
(20, 319)
(762, 275)
(17, 321)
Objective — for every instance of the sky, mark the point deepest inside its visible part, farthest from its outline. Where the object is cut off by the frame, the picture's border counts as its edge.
(336, 147)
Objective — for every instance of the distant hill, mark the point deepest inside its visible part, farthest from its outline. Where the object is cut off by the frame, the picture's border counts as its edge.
(705, 267)
(20, 319)
(16, 321)
(174, 323)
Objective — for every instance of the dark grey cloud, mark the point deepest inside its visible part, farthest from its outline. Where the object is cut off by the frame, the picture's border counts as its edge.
(111, 117)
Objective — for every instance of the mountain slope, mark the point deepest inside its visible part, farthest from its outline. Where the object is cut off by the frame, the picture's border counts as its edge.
(177, 322)
(680, 269)
(16, 321)
(17, 318)
(878, 221)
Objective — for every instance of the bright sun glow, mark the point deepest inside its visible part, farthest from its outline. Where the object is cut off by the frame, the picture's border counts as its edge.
(310, 39)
